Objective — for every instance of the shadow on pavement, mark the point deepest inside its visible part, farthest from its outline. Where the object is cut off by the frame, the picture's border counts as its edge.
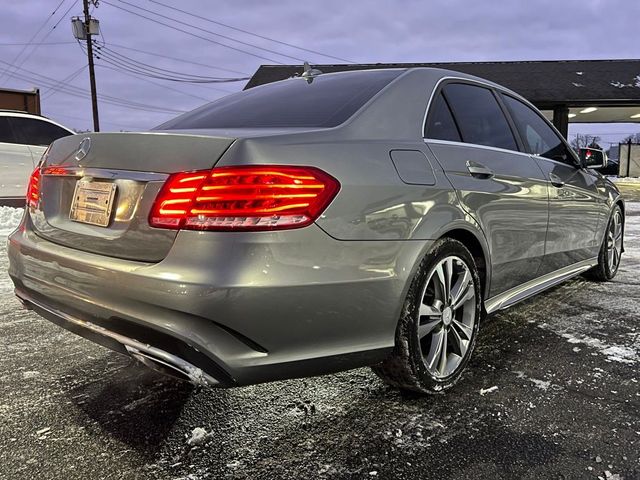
(133, 404)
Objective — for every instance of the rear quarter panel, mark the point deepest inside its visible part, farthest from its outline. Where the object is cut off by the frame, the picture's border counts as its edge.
(373, 202)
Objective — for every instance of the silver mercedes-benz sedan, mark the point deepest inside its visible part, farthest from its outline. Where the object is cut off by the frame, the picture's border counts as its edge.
(311, 225)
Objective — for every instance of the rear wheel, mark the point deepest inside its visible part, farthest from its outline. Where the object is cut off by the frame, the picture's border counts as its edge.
(611, 249)
(437, 331)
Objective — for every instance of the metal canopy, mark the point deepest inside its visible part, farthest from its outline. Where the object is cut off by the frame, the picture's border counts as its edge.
(565, 86)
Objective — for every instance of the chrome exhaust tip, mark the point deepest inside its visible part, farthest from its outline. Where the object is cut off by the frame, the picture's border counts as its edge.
(24, 303)
(172, 366)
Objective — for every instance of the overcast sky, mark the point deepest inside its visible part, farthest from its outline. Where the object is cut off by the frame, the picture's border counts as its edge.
(356, 30)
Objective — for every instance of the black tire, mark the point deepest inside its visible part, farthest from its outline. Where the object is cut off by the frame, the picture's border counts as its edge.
(604, 270)
(405, 368)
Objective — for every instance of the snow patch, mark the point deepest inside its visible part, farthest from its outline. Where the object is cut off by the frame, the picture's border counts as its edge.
(576, 84)
(198, 437)
(541, 384)
(10, 218)
(621, 85)
(625, 179)
(484, 391)
(614, 353)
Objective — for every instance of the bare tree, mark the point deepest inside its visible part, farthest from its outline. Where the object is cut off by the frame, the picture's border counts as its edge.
(634, 138)
(583, 141)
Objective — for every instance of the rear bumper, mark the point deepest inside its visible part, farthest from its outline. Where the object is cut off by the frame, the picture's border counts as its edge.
(242, 307)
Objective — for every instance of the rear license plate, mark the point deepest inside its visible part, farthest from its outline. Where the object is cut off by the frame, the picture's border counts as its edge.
(92, 202)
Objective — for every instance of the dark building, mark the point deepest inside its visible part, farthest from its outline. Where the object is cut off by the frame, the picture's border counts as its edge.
(25, 101)
(577, 91)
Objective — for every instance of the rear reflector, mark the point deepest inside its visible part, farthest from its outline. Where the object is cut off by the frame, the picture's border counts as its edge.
(243, 198)
(33, 190)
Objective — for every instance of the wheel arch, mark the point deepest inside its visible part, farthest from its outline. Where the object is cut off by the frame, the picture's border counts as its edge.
(478, 249)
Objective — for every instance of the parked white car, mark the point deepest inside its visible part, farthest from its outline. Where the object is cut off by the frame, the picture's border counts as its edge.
(23, 139)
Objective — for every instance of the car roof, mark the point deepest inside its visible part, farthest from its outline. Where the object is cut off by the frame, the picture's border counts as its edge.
(21, 113)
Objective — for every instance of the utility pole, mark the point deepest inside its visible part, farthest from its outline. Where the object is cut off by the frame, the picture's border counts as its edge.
(92, 73)
(84, 30)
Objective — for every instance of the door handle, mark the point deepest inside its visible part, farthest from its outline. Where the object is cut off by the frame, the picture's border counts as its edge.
(555, 180)
(478, 170)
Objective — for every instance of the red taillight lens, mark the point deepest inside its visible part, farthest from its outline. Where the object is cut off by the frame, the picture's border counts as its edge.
(243, 198)
(33, 190)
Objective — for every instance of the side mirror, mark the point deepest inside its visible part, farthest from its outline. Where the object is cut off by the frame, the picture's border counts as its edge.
(593, 158)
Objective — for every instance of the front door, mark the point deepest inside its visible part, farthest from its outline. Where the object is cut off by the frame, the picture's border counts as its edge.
(576, 206)
(576, 212)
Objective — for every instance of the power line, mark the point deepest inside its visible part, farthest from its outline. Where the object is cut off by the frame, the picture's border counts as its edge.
(78, 92)
(136, 127)
(33, 37)
(250, 33)
(132, 67)
(154, 83)
(142, 76)
(33, 44)
(191, 33)
(157, 72)
(64, 15)
(52, 91)
(210, 32)
(177, 59)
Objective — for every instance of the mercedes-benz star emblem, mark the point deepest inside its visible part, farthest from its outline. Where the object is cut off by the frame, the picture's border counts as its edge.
(83, 149)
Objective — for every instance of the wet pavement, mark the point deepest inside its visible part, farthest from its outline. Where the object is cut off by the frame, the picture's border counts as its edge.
(567, 404)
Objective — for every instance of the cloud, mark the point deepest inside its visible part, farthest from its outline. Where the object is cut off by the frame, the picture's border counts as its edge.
(358, 30)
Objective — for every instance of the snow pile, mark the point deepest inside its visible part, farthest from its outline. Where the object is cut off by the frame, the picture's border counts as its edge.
(198, 437)
(10, 218)
(625, 179)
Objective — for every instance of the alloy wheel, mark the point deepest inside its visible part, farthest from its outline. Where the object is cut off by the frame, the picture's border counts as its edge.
(447, 316)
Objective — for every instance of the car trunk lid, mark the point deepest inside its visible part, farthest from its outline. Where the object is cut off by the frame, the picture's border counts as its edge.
(134, 166)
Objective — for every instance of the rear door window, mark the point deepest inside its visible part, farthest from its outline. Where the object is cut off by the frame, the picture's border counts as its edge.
(479, 116)
(31, 131)
(6, 134)
(538, 137)
(440, 124)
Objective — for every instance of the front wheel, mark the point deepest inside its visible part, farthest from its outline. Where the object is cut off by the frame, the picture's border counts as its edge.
(439, 324)
(611, 249)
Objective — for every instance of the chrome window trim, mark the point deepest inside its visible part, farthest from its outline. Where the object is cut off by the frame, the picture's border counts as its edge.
(501, 90)
(549, 124)
(475, 145)
(433, 93)
(539, 157)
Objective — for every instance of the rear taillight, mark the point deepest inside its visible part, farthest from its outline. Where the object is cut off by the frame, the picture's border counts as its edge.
(243, 198)
(33, 190)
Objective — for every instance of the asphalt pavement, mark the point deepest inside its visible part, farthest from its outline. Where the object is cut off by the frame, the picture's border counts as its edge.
(551, 392)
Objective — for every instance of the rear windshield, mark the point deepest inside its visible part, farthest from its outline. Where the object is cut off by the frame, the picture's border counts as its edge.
(327, 101)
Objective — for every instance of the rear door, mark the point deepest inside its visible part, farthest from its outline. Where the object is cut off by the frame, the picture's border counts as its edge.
(501, 187)
(576, 206)
(16, 163)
